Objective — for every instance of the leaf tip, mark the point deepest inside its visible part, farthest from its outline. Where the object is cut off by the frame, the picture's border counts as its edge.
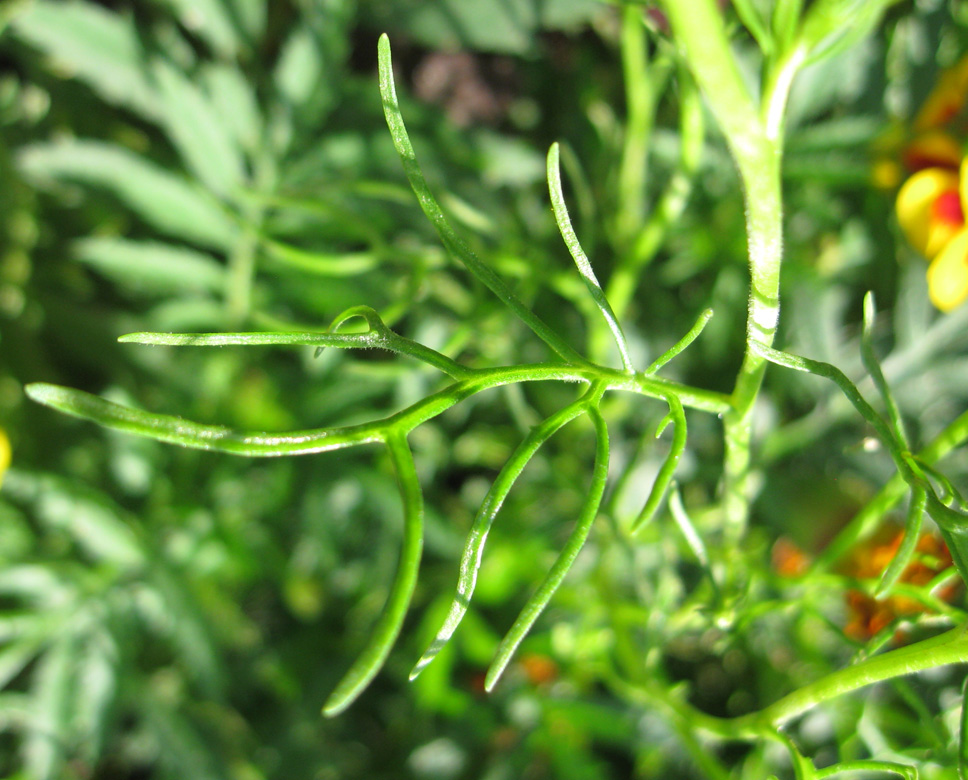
(43, 393)
(333, 708)
(442, 638)
(870, 310)
(492, 676)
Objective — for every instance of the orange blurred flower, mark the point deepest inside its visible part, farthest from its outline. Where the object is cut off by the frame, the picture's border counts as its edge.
(539, 669)
(868, 616)
(788, 559)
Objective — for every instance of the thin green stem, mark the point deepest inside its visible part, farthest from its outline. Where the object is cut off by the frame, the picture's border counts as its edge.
(682, 343)
(866, 522)
(449, 238)
(474, 546)
(952, 520)
(242, 257)
(186, 433)
(764, 227)
(901, 559)
(582, 262)
(536, 604)
(907, 772)
(699, 29)
(379, 337)
(387, 629)
(627, 275)
(643, 83)
(950, 647)
(664, 478)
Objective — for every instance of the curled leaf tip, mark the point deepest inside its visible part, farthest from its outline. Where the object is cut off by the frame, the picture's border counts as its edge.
(684, 342)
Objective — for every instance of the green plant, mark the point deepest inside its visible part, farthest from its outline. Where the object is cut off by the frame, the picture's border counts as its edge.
(727, 594)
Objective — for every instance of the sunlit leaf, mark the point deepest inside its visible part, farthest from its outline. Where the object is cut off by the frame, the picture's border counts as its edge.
(52, 691)
(202, 135)
(89, 518)
(98, 46)
(151, 267)
(161, 198)
(97, 683)
(233, 98)
(510, 27)
(300, 65)
(16, 655)
(187, 627)
(251, 15)
(210, 20)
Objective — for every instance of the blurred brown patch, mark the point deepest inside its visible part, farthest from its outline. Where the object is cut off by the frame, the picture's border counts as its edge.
(471, 89)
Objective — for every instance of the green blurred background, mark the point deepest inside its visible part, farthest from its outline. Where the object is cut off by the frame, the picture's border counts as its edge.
(181, 165)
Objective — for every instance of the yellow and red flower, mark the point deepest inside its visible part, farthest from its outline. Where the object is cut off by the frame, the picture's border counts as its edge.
(931, 208)
(933, 202)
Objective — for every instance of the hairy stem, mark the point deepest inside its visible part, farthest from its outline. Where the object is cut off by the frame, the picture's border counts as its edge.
(764, 214)
(753, 134)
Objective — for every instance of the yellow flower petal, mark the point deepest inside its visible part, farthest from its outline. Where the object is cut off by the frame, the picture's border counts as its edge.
(963, 185)
(916, 212)
(948, 273)
(4, 454)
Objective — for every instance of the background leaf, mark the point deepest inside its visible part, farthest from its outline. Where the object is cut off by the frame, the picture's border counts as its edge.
(96, 45)
(162, 198)
(152, 267)
(201, 134)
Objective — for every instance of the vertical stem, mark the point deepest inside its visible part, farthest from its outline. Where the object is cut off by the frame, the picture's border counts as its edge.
(753, 134)
(764, 228)
(238, 294)
(242, 258)
(665, 211)
(640, 94)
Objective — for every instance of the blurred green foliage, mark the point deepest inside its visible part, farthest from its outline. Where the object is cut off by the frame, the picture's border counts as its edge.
(224, 165)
